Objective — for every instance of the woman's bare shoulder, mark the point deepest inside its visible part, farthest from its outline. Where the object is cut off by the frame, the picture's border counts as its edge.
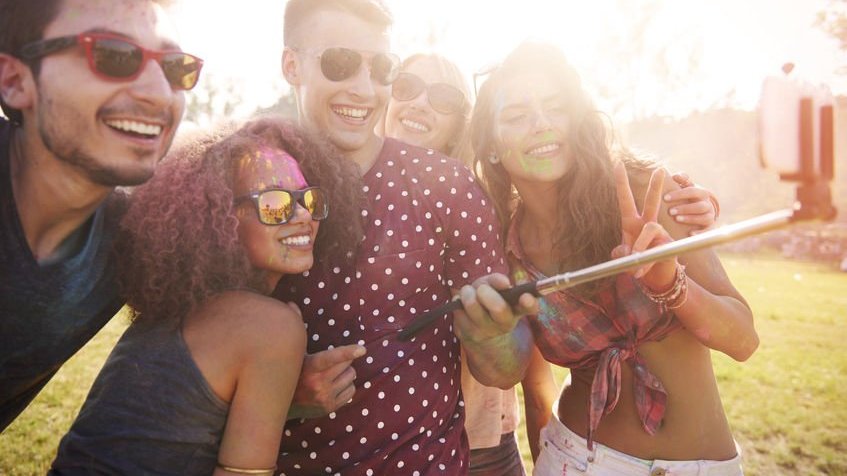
(249, 318)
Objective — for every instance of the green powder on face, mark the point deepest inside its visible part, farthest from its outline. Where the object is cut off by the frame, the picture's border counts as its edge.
(536, 166)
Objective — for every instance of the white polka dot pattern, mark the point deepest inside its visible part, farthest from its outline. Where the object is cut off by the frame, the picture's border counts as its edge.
(429, 227)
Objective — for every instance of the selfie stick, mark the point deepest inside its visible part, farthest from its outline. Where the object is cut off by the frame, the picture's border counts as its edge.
(814, 201)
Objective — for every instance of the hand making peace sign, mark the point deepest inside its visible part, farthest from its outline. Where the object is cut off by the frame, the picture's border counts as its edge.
(640, 232)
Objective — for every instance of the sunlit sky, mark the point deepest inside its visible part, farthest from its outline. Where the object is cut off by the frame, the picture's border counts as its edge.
(718, 51)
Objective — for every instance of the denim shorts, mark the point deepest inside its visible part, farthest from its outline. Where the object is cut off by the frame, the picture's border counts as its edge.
(563, 452)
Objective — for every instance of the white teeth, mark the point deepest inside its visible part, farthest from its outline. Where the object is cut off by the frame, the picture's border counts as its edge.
(351, 112)
(135, 127)
(301, 240)
(414, 125)
(543, 149)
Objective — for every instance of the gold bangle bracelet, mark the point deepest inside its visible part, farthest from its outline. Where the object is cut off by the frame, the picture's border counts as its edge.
(233, 469)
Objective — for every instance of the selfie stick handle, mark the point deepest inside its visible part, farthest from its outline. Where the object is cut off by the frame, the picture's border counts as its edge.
(570, 279)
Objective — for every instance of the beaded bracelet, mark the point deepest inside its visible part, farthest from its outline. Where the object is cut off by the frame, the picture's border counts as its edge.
(233, 469)
(675, 296)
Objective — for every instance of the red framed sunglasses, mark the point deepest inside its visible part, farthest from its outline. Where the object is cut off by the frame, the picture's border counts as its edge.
(114, 58)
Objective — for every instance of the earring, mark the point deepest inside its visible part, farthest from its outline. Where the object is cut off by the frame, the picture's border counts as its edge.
(493, 159)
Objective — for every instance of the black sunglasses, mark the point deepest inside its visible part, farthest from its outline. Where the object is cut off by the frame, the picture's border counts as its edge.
(338, 64)
(277, 206)
(443, 97)
(114, 58)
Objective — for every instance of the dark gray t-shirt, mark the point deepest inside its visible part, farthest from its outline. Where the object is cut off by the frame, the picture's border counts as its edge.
(48, 312)
(150, 411)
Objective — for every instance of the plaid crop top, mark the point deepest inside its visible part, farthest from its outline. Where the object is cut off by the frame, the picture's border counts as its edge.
(600, 333)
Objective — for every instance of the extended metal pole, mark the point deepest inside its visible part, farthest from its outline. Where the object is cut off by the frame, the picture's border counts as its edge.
(714, 237)
(720, 235)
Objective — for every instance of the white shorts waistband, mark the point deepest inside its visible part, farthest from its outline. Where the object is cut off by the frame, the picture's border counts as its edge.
(565, 452)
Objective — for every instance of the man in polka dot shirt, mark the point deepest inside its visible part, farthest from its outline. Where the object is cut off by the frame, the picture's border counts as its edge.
(366, 402)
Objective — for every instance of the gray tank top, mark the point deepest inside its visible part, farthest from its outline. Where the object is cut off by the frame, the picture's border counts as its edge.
(150, 411)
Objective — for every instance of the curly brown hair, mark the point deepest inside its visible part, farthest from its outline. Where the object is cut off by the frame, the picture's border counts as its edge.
(588, 221)
(178, 243)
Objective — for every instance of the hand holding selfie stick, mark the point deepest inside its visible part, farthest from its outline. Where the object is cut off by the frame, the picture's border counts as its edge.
(807, 140)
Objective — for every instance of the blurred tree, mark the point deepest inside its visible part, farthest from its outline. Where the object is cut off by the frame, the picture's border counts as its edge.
(286, 106)
(213, 97)
(651, 73)
(833, 20)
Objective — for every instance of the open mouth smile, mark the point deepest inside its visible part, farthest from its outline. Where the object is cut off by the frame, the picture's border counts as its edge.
(297, 240)
(135, 128)
(415, 125)
(359, 114)
(543, 150)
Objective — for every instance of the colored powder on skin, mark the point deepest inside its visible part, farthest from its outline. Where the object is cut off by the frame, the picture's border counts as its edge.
(290, 168)
(73, 13)
(536, 166)
(529, 164)
(547, 314)
(542, 165)
(285, 253)
(548, 136)
(264, 159)
(520, 276)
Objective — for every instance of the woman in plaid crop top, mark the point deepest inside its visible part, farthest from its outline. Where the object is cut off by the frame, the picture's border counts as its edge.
(643, 397)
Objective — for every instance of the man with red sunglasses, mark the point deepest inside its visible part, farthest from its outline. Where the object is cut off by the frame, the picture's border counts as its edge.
(94, 92)
(368, 403)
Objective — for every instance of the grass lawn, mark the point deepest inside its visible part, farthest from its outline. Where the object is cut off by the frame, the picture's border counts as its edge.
(787, 404)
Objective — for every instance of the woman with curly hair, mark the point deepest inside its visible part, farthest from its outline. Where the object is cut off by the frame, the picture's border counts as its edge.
(202, 379)
(643, 397)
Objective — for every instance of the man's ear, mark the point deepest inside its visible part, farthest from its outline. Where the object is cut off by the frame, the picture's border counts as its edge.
(16, 86)
(291, 66)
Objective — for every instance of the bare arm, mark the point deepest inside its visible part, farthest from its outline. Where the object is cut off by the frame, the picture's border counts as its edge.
(264, 355)
(714, 311)
(539, 392)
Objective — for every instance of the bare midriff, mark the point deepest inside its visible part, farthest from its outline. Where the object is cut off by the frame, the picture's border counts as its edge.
(694, 425)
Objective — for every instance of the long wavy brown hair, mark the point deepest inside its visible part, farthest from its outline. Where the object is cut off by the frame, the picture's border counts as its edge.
(178, 243)
(588, 221)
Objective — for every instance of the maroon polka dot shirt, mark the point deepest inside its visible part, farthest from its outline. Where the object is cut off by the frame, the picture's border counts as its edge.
(429, 228)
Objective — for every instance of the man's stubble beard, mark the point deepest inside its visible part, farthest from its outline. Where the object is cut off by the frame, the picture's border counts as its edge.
(63, 143)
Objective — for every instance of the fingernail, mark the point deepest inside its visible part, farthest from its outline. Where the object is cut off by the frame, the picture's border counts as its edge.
(673, 211)
(680, 218)
(667, 197)
(359, 352)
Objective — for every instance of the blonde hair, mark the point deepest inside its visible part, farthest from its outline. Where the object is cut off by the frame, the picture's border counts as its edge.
(455, 78)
